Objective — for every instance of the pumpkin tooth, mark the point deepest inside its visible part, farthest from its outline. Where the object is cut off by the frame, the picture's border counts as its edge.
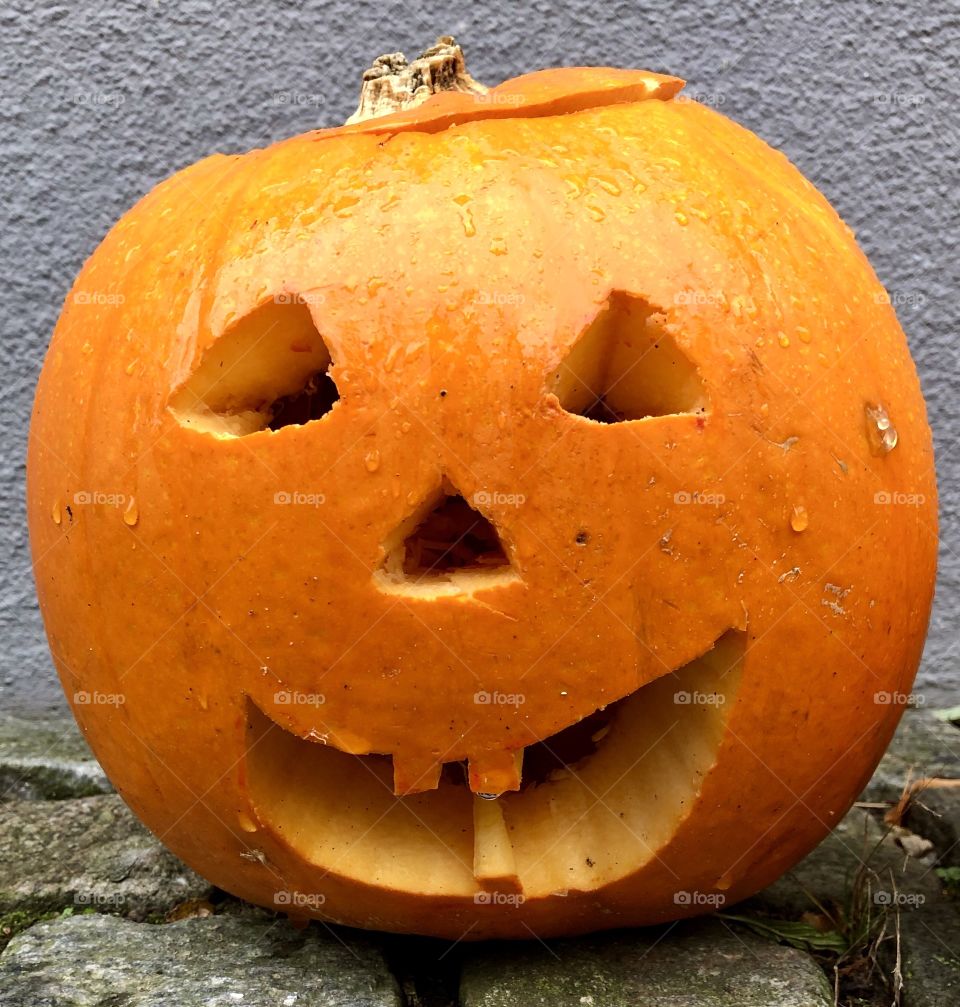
(415, 775)
(494, 863)
(493, 773)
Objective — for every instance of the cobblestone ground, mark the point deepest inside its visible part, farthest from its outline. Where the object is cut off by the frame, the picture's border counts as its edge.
(94, 911)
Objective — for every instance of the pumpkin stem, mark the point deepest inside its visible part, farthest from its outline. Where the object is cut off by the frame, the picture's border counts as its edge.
(393, 85)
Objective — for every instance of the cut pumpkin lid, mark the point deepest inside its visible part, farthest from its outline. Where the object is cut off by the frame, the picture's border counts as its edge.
(555, 91)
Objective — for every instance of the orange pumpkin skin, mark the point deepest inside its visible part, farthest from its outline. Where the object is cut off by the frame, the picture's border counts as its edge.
(451, 257)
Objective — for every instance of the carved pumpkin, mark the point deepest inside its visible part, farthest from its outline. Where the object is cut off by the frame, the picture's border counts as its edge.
(472, 520)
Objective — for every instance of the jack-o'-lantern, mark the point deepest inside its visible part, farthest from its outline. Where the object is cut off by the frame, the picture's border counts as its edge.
(503, 514)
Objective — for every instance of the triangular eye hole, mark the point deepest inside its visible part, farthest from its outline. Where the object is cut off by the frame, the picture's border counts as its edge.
(269, 370)
(626, 365)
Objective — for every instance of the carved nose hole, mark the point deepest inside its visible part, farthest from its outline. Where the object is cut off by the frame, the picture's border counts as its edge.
(445, 547)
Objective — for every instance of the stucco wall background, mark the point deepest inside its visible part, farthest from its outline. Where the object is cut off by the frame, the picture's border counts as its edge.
(102, 100)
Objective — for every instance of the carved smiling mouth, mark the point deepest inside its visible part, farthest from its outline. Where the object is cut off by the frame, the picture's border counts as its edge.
(597, 800)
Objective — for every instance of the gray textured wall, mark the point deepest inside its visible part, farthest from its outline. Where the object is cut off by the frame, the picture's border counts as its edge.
(102, 100)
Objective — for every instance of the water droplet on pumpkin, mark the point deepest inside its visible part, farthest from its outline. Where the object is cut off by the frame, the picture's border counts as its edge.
(343, 207)
(391, 357)
(881, 433)
(596, 213)
(498, 246)
(804, 334)
(372, 460)
(131, 367)
(799, 519)
(88, 347)
(466, 217)
(608, 185)
(57, 512)
(246, 822)
(131, 513)
(575, 185)
(681, 218)
(784, 340)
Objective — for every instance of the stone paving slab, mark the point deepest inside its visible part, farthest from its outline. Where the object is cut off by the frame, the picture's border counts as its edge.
(220, 961)
(46, 759)
(698, 964)
(87, 852)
